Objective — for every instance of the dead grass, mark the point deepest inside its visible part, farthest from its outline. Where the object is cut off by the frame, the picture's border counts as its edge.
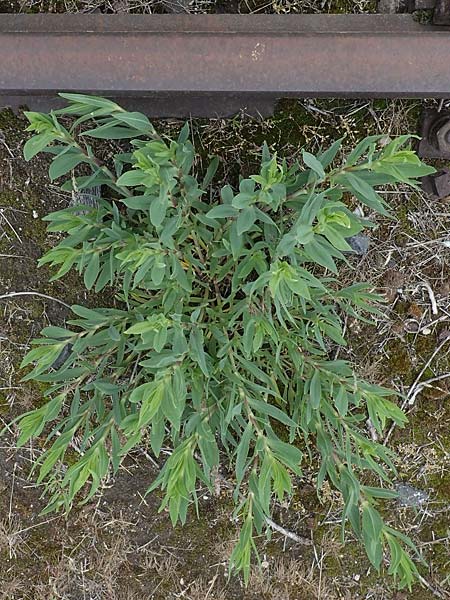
(191, 6)
(12, 537)
(289, 579)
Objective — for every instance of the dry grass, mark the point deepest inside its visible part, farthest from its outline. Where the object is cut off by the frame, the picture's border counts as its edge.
(192, 6)
(12, 537)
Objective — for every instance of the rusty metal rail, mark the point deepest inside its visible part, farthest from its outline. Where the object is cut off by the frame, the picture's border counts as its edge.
(213, 65)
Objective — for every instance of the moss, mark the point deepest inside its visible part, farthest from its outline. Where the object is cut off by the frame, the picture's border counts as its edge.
(425, 16)
(4, 406)
(406, 227)
(11, 124)
(398, 361)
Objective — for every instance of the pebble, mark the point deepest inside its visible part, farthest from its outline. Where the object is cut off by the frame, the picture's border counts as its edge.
(359, 244)
(410, 496)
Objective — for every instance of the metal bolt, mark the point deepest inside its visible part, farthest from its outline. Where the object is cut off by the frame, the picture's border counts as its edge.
(443, 136)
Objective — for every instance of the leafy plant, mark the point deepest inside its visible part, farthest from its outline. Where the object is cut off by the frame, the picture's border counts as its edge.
(230, 314)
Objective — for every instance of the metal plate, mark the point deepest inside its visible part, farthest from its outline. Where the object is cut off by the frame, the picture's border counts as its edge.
(212, 65)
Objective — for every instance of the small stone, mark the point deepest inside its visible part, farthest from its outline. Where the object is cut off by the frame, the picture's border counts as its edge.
(358, 243)
(443, 335)
(426, 331)
(35, 214)
(410, 496)
(411, 326)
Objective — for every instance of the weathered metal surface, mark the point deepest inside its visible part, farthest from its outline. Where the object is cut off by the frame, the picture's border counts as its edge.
(435, 134)
(212, 65)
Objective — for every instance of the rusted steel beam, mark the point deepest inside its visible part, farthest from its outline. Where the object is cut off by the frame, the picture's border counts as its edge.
(215, 64)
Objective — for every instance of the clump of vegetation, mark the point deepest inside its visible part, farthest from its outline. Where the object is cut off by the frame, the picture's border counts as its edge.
(230, 313)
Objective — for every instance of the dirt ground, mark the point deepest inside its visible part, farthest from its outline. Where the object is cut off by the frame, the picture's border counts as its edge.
(118, 547)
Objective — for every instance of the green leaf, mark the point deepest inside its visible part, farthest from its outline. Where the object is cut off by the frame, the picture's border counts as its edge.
(242, 452)
(91, 101)
(184, 134)
(31, 424)
(236, 242)
(315, 390)
(245, 220)
(136, 120)
(287, 454)
(327, 157)
(208, 447)
(341, 401)
(363, 191)
(311, 161)
(372, 527)
(92, 271)
(137, 202)
(377, 492)
(223, 211)
(65, 162)
(318, 253)
(115, 450)
(272, 411)
(36, 144)
(361, 148)
(111, 132)
(133, 177)
(174, 401)
(158, 209)
(197, 351)
(210, 172)
(150, 396)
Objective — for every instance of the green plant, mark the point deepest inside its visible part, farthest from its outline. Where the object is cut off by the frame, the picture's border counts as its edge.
(230, 313)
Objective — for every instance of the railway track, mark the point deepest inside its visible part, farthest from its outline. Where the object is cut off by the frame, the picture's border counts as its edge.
(214, 65)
